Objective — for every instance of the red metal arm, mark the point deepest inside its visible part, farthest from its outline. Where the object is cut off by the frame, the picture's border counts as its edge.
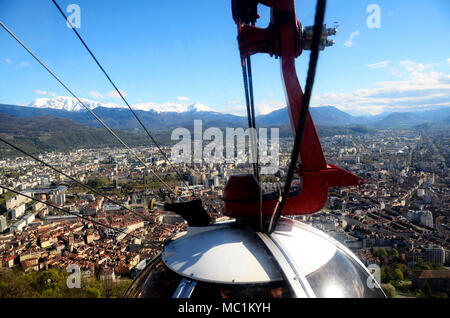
(283, 39)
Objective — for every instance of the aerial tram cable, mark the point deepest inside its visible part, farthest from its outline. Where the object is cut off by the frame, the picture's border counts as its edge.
(246, 65)
(71, 178)
(87, 108)
(254, 139)
(248, 15)
(252, 111)
(250, 105)
(253, 136)
(123, 98)
(67, 211)
(249, 115)
(318, 23)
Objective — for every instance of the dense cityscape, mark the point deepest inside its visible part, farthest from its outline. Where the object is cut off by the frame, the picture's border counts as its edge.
(399, 219)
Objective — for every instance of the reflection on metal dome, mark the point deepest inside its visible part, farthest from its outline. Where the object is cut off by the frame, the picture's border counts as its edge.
(229, 259)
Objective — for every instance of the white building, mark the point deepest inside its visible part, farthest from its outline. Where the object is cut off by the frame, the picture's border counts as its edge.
(3, 224)
(18, 211)
(45, 181)
(18, 226)
(16, 201)
(109, 207)
(420, 193)
(38, 207)
(426, 218)
(170, 218)
(216, 181)
(423, 217)
(59, 198)
(29, 218)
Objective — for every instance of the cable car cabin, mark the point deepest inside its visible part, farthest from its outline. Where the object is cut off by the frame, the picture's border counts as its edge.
(230, 259)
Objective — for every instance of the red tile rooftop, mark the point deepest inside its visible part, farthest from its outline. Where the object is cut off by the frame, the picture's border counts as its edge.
(426, 274)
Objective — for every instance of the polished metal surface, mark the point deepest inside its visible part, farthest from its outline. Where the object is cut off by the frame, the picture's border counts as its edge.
(185, 289)
(223, 254)
(228, 259)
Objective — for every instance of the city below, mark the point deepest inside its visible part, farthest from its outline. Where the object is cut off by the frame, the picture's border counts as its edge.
(399, 219)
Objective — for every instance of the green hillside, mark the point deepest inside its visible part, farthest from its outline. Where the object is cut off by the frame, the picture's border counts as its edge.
(42, 134)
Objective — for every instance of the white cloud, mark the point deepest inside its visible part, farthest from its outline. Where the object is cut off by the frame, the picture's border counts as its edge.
(183, 98)
(24, 64)
(236, 109)
(111, 94)
(233, 102)
(96, 94)
(171, 107)
(261, 108)
(382, 64)
(114, 94)
(45, 93)
(411, 66)
(266, 107)
(8, 61)
(419, 87)
(349, 41)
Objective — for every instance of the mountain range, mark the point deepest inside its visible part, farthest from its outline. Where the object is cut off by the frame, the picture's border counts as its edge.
(71, 104)
(157, 116)
(332, 116)
(62, 123)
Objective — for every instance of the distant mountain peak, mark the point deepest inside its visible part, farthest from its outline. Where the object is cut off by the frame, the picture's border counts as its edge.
(197, 107)
(70, 104)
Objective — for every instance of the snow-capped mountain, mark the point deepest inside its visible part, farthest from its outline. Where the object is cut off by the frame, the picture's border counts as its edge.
(71, 104)
(158, 116)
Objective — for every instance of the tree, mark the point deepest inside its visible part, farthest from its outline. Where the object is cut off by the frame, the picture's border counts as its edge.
(375, 252)
(383, 252)
(403, 268)
(437, 266)
(50, 283)
(269, 178)
(397, 274)
(393, 252)
(389, 290)
(93, 292)
(384, 275)
(16, 284)
(427, 289)
(120, 287)
(422, 266)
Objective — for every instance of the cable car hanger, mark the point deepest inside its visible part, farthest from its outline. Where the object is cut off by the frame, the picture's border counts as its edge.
(285, 38)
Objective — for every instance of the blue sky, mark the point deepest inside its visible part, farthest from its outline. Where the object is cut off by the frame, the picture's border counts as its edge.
(181, 52)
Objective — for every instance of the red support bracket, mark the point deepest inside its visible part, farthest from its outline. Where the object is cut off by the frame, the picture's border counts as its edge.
(283, 38)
